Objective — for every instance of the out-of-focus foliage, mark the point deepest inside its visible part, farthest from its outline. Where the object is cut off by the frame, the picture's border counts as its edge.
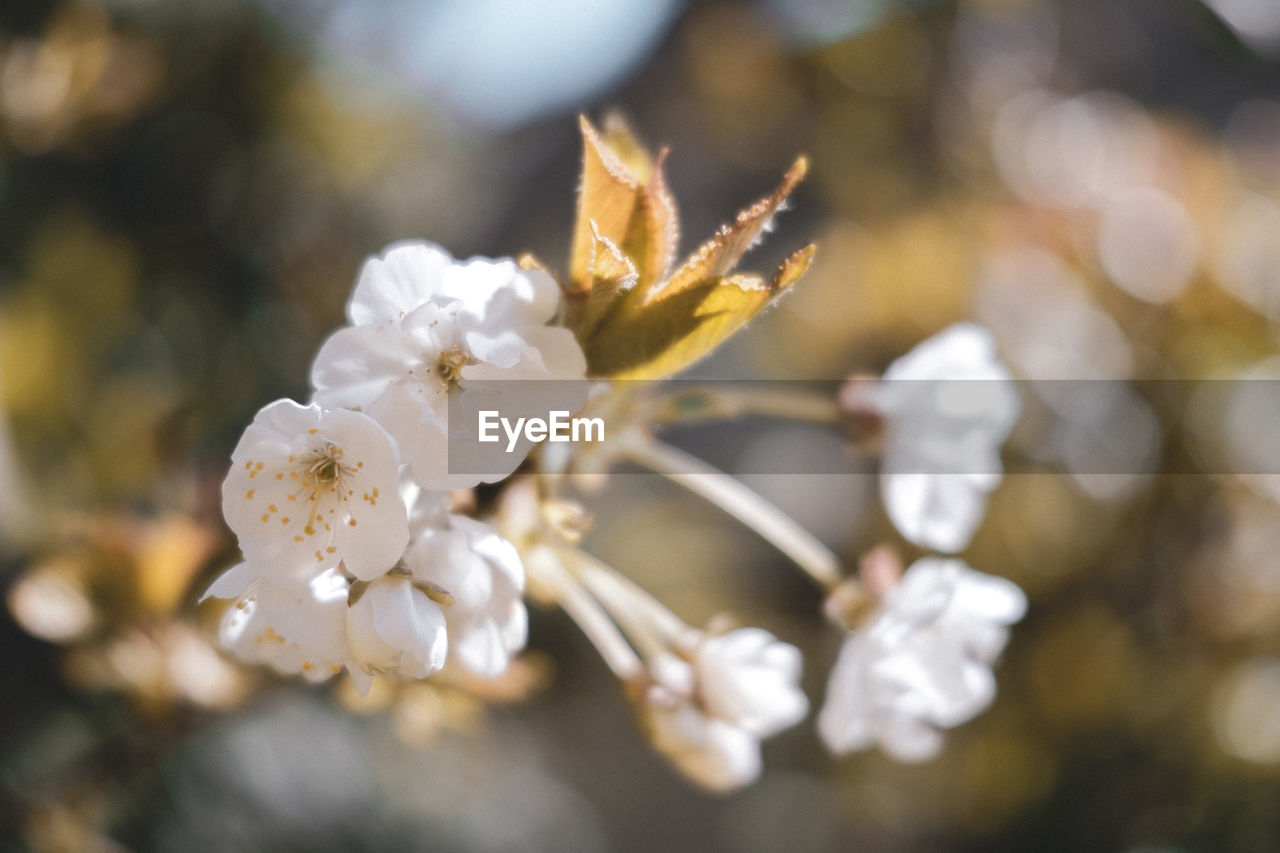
(186, 191)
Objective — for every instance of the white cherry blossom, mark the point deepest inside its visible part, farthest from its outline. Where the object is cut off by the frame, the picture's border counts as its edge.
(942, 438)
(709, 713)
(425, 329)
(750, 677)
(394, 627)
(922, 662)
(299, 628)
(483, 577)
(309, 488)
(715, 754)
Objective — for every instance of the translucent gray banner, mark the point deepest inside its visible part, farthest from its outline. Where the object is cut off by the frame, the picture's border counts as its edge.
(965, 427)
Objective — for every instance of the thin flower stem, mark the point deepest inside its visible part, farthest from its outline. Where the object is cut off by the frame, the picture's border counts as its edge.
(628, 616)
(671, 625)
(595, 624)
(784, 532)
(625, 598)
(701, 404)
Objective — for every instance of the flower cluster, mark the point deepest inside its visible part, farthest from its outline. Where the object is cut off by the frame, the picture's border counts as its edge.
(351, 556)
(355, 559)
(921, 660)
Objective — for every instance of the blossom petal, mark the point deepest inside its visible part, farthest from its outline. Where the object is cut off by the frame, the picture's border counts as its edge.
(392, 285)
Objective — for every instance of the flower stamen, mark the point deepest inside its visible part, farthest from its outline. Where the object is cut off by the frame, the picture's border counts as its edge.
(451, 363)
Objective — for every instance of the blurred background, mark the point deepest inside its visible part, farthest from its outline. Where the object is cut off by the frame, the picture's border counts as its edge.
(187, 190)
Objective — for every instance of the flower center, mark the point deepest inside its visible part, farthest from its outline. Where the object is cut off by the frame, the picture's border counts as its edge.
(324, 471)
(451, 363)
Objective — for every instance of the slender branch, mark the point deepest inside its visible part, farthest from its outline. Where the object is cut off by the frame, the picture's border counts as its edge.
(728, 493)
(633, 622)
(594, 623)
(626, 600)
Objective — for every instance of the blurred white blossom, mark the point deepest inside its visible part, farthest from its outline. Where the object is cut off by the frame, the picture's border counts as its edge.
(750, 677)
(423, 327)
(299, 628)
(1148, 244)
(942, 437)
(922, 662)
(709, 713)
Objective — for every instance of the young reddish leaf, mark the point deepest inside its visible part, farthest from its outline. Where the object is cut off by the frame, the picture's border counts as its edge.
(722, 252)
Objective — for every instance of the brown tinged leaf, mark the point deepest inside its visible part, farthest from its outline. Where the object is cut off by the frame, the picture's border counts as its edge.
(607, 197)
(617, 135)
(654, 235)
(625, 195)
(794, 267)
(612, 276)
(673, 332)
(632, 320)
(722, 252)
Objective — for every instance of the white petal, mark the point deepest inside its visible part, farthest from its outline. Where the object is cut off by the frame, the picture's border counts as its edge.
(909, 740)
(232, 583)
(355, 365)
(960, 351)
(480, 648)
(395, 627)
(938, 511)
(718, 756)
(989, 597)
(372, 527)
(412, 623)
(845, 721)
(390, 286)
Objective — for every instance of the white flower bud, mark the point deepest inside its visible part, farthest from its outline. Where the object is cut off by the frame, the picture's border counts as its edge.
(716, 755)
(708, 717)
(483, 575)
(749, 677)
(394, 627)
